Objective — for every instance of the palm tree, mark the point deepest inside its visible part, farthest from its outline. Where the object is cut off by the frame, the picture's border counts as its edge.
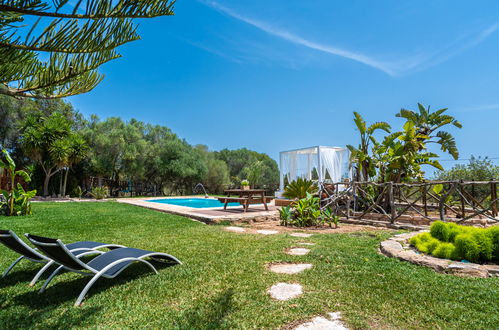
(427, 123)
(360, 155)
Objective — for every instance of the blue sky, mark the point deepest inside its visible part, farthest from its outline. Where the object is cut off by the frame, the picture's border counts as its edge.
(279, 75)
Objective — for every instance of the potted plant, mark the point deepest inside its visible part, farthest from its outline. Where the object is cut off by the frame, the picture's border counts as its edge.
(245, 185)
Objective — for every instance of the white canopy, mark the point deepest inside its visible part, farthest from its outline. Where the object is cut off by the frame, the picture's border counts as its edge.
(325, 162)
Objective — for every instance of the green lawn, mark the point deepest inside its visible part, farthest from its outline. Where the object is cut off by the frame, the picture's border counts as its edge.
(223, 281)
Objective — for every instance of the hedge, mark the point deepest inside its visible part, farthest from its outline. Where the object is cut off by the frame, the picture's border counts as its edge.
(451, 241)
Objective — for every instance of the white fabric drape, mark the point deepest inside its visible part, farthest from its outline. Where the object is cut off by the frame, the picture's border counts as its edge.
(334, 164)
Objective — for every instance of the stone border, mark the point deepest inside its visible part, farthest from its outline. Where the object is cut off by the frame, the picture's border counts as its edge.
(398, 247)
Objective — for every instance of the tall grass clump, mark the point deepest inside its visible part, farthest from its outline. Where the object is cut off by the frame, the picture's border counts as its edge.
(452, 241)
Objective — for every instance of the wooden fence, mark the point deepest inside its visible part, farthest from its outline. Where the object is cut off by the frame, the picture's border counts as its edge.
(457, 201)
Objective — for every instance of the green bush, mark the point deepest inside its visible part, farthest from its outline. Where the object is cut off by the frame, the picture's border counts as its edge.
(444, 250)
(485, 243)
(438, 230)
(452, 230)
(467, 247)
(424, 242)
(299, 189)
(493, 232)
(452, 241)
(99, 192)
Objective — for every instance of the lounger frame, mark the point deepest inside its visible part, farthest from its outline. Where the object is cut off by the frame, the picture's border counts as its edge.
(89, 271)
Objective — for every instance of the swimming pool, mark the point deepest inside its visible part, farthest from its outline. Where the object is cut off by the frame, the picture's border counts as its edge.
(197, 203)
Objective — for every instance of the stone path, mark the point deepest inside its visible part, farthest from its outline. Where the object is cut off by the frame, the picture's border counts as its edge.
(331, 322)
(285, 291)
(267, 232)
(235, 229)
(300, 235)
(297, 251)
(289, 268)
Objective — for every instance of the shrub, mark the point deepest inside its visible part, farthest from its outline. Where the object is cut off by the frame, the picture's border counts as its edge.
(493, 232)
(299, 188)
(451, 231)
(306, 212)
(438, 230)
(467, 247)
(99, 192)
(444, 250)
(424, 242)
(485, 243)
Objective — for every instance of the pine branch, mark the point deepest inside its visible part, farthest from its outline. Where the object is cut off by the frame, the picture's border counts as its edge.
(63, 75)
(68, 37)
(95, 9)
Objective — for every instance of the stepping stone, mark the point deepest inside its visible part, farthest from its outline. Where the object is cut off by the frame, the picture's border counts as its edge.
(285, 291)
(297, 251)
(332, 321)
(300, 235)
(289, 268)
(267, 232)
(235, 229)
(306, 243)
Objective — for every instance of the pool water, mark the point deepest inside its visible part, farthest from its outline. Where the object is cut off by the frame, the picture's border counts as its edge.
(197, 203)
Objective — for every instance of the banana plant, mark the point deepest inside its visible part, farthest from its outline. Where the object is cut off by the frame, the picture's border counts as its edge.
(361, 155)
(17, 199)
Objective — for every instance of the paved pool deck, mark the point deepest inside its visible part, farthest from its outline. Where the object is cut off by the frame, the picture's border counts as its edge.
(236, 214)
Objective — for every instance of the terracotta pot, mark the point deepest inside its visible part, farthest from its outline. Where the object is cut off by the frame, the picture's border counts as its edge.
(245, 187)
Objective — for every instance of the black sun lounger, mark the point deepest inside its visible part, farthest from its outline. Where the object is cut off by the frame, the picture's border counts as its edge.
(108, 265)
(13, 242)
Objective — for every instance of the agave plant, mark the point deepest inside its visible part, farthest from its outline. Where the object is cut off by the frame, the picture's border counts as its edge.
(299, 188)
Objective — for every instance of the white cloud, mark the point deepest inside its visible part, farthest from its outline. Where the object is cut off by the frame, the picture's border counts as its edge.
(393, 68)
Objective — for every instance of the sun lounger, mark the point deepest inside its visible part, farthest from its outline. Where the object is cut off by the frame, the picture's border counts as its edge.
(108, 265)
(14, 243)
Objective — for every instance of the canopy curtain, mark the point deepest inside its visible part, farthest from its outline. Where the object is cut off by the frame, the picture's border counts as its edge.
(332, 162)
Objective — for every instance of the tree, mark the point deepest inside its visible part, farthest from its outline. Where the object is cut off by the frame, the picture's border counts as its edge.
(239, 160)
(217, 175)
(427, 123)
(361, 155)
(49, 141)
(477, 169)
(68, 151)
(54, 50)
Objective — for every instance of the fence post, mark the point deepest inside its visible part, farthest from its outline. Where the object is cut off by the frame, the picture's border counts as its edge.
(425, 205)
(493, 197)
(461, 192)
(392, 202)
(354, 197)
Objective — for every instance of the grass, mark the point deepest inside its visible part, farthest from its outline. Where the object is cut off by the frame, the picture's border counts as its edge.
(223, 281)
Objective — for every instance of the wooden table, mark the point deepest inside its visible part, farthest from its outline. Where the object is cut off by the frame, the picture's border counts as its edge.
(245, 197)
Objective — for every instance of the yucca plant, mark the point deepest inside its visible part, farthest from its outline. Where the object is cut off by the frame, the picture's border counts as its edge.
(99, 192)
(299, 188)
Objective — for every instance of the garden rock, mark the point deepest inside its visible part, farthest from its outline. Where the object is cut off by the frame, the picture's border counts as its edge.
(285, 291)
(467, 270)
(289, 268)
(331, 322)
(298, 251)
(306, 243)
